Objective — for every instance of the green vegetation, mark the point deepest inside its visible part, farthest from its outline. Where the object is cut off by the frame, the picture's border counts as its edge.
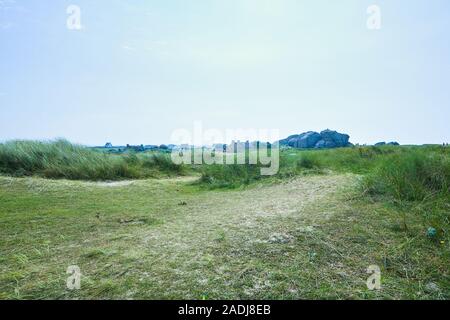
(357, 160)
(412, 176)
(417, 183)
(61, 159)
(229, 176)
(224, 231)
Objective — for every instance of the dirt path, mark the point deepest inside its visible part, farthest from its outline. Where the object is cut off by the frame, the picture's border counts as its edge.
(258, 208)
(224, 235)
(162, 239)
(165, 239)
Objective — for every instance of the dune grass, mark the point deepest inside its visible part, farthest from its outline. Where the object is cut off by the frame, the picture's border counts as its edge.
(296, 162)
(411, 176)
(62, 159)
(357, 160)
(416, 183)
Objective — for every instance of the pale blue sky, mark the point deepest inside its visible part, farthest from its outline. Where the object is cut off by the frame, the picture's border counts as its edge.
(139, 69)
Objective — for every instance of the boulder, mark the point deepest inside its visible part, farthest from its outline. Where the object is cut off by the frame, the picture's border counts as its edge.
(311, 139)
(334, 139)
(323, 144)
(308, 140)
(303, 141)
(289, 141)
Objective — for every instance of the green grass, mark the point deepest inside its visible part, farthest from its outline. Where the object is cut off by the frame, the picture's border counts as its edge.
(224, 231)
(417, 183)
(61, 159)
(358, 160)
(309, 237)
(229, 176)
(412, 176)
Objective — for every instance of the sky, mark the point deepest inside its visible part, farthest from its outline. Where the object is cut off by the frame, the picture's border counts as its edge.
(136, 71)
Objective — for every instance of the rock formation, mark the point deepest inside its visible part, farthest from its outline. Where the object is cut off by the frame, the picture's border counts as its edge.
(315, 140)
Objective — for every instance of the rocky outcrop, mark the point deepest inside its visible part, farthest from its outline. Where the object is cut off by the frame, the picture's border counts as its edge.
(315, 140)
(305, 140)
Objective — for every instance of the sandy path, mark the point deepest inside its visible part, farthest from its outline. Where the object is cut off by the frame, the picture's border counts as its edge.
(217, 233)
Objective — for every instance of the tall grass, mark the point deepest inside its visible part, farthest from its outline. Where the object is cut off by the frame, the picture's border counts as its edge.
(164, 163)
(416, 182)
(356, 160)
(406, 174)
(61, 159)
(413, 176)
(294, 162)
(229, 176)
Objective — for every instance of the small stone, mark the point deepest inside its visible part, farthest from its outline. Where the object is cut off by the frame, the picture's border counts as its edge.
(431, 232)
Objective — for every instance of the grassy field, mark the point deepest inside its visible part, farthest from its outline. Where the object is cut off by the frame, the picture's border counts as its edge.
(223, 232)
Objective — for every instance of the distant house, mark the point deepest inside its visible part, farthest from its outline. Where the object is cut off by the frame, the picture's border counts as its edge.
(108, 145)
